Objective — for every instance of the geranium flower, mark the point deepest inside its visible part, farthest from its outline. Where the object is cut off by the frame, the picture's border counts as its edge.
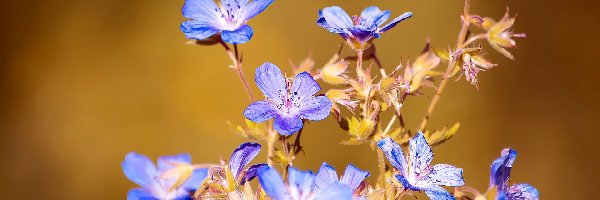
(174, 178)
(353, 178)
(300, 186)
(227, 178)
(358, 31)
(228, 18)
(500, 175)
(419, 175)
(287, 103)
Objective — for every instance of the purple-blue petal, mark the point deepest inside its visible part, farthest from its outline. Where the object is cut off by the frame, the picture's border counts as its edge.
(254, 8)
(242, 156)
(334, 19)
(394, 22)
(168, 162)
(195, 180)
(198, 30)
(372, 17)
(205, 10)
(522, 192)
(447, 175)
(394, 154)
(420, 153)
(272, 183)
(251, 173)
(300, 183)
(334, 191)
(325, 176)
(260, 111)
(238, 36)
(315, 108)
(287, 125)
(139, 169)
(501, 167)
(405, 184)
(140, 194)
(303, 88)
(438, 193)
(353, 177)
(271, 82)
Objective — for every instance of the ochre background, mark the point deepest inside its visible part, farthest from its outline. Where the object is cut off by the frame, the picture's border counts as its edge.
(85, 82)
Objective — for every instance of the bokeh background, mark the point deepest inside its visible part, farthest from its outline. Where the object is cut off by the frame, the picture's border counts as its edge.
(83, 83)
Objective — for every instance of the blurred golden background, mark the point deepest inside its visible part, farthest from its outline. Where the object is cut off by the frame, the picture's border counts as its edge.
(85, 82)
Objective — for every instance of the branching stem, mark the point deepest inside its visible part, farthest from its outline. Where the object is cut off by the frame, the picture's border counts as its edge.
(237, 66)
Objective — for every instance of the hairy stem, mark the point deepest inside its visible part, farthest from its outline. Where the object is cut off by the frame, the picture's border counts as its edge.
(237, 65)
(381, 162)
(461, 41)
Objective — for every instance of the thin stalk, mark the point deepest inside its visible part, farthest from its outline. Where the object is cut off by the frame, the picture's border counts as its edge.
(461, 40)
(237, 64)
(271, 144)
(381, 161)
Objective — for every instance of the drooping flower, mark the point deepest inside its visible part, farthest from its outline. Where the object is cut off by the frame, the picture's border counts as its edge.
(500, 35)
(353, 178)
(288, 103)
(358, 31)
(228, 18)
(300, 186)
(500, 175)
(174, 178)
(228, 177)
(416, 173)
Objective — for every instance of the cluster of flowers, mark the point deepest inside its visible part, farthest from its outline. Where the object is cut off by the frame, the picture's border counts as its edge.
(289, 103)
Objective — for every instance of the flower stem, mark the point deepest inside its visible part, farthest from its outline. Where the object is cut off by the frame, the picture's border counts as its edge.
(237, 66)
(381, 162)
(459, 44)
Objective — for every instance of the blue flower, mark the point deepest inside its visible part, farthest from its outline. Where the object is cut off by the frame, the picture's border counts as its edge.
(229, 18)
(419, 175)
(353, 178)
(300, 186)
(240, 158)
(159, 182)
(288, 105)
(359, 30)
(500, 175)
